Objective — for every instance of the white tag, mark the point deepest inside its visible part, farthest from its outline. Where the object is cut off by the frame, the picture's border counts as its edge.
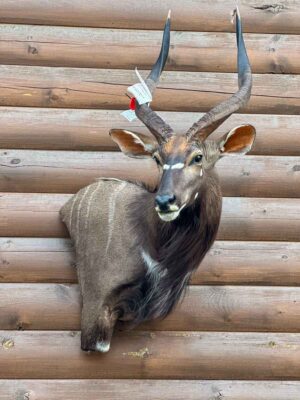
(143, 82)
(129, 115)
(140, 90)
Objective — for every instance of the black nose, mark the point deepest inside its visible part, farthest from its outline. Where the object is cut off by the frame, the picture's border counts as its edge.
(164, 201)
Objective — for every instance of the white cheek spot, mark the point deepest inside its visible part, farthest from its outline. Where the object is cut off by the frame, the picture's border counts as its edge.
(196, 195)
(177, 166)
(166, 166)
(201, 172)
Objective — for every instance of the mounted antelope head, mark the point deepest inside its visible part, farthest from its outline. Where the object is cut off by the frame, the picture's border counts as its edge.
(136, 249)
(185, 160)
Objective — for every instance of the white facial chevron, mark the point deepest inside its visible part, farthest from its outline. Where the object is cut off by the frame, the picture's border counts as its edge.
(174, 166)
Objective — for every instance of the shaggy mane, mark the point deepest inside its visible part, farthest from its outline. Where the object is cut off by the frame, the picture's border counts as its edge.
(178, 247)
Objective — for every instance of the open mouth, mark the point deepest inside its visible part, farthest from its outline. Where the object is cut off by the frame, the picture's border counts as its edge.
(171, 214)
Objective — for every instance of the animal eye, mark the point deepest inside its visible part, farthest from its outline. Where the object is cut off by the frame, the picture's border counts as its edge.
(197, 159)
(156, 159)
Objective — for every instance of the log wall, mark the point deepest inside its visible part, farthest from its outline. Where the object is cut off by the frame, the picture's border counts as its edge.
(64, 70)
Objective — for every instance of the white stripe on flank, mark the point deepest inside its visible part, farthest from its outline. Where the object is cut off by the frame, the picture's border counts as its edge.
(111, 213)
(89, 206)
(71, 213)
(86, 190)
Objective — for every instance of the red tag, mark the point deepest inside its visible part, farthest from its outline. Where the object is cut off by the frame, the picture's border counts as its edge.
(132, 104)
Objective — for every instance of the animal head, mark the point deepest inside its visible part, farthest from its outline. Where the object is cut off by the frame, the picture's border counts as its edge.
(185, 160)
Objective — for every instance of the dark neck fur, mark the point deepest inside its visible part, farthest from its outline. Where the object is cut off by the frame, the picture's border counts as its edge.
(178, 247)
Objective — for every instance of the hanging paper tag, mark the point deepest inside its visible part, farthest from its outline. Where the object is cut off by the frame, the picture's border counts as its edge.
(140, 90)
(129, 115)
(143, 82)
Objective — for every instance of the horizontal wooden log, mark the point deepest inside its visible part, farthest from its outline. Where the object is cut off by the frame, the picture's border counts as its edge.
(107, 48)
(36, 215)
(38, 260)
(257, 15)
(179, 91)
(258, 263)
(67, 172)
(159, 355)
(31, 215)
(71, 129)
(58, 169)
(204, 308)
(155, 389)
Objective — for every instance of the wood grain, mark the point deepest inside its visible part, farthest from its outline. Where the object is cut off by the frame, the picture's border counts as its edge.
(36, 260)
(36, 215)
(156, 389)
(107, 48)
(64, 73)
(155, 355)
(31, 215)
(40, 260)
(162, 389)
(76, 129)
(31, 86)
(204, 308)
(67, 172)
(258, 16)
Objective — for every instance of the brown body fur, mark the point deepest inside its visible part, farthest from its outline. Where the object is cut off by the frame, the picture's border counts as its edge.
(136, 250)
(111, 222)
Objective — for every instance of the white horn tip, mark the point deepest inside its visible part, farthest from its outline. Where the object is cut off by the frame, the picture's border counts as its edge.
(169, 14)
(235, 13)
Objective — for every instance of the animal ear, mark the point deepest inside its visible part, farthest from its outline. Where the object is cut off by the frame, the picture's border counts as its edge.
(237, 141)
(134, 144)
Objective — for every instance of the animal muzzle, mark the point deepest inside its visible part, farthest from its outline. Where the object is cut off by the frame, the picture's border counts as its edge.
(167, 208)
(165, 202)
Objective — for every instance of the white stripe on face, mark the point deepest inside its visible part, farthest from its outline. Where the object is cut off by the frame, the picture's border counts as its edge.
(174, 166)
(177, 166)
